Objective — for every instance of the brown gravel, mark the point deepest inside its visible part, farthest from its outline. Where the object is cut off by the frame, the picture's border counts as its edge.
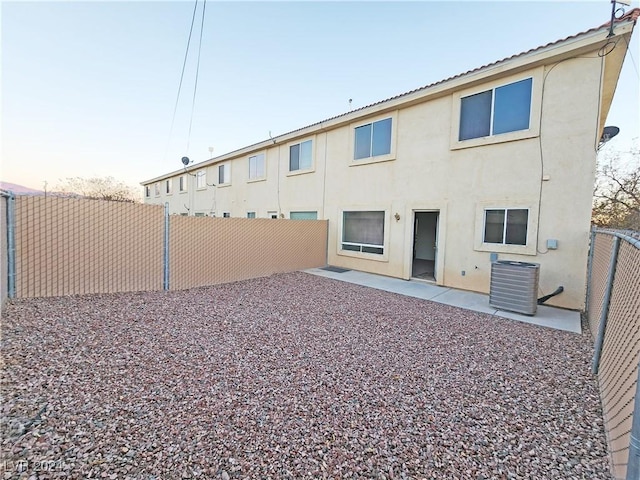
(291, 376)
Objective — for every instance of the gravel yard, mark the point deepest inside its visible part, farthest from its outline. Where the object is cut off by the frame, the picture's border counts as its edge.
(291, 376)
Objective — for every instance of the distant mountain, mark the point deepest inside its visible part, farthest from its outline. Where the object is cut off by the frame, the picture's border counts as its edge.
(19, 189)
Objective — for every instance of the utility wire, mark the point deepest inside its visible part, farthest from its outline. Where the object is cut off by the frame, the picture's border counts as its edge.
(631, 56)
(184, 64)
(195, 87)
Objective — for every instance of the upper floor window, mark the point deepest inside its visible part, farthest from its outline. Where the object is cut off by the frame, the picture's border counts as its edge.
(506, 226)
(301, 156)
(224, 174)
(147, 191)
(499, 110)
(373, 139)
(256, 166)
(156, 189)
(201, 179)
(168, 184)
(182, 183)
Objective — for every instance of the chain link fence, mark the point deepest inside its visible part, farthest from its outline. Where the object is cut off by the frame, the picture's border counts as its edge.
(68, 246)
(613, 312)
(206, 251)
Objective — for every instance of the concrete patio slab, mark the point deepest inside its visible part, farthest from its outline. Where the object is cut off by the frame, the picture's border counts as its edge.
(557, 318)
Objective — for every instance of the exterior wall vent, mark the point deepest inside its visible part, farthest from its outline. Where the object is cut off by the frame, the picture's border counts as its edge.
(514, 286)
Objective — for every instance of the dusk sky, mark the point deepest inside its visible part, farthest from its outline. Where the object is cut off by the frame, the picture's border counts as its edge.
(89, 88)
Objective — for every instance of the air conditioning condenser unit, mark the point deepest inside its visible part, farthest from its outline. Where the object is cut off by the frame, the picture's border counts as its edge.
(514, 286)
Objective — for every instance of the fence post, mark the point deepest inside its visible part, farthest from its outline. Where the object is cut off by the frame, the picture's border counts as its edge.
(592, 244)
(633, 462)
(11, 246)
(595, 366)
(165, 256)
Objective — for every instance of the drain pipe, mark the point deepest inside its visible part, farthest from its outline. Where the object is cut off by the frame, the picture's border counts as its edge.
(558, 291)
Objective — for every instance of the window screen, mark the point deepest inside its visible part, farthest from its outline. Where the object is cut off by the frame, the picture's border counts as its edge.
(363, 232)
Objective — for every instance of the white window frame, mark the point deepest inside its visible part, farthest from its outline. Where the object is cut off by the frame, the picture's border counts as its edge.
(384, 256)
(532, 228)
(504, 226)
(201, 179)
(378, 158)
(156, 188)
(252, 214)
(257, 178)
(183, 183)
(147, 191)
(296, 212)
(301, 171)
(225, 168)
(168, 186)
(534, 114)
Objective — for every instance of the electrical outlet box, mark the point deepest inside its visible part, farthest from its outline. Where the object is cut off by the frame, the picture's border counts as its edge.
(552, 244)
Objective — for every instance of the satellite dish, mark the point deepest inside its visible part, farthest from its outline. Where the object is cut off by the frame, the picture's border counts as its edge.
(185, 161)
(608, 133)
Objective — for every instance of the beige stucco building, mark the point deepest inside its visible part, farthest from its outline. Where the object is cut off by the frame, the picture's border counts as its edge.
(498, 162)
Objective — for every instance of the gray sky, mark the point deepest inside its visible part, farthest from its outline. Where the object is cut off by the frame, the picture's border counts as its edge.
(89, 88)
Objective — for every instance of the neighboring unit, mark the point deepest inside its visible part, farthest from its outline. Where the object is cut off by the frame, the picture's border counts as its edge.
(494, 164)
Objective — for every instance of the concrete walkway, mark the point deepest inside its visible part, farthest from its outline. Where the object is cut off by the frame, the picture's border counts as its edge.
(545, 316)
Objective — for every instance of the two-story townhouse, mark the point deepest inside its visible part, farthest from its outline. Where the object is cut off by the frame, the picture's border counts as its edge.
(495, 163)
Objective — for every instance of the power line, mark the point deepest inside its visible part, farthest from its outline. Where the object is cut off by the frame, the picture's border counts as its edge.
(631, 56)
(184, 64)
(195, 87)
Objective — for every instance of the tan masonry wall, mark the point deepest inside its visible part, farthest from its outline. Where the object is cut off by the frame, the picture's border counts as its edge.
(206, 251)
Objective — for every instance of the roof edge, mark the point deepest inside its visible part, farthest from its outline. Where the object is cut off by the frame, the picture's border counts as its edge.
(630, 17)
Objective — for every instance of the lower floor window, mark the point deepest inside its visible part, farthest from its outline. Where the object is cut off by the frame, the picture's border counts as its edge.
(303, 215)
(251, 214)
(506, 226)
(363, 232)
